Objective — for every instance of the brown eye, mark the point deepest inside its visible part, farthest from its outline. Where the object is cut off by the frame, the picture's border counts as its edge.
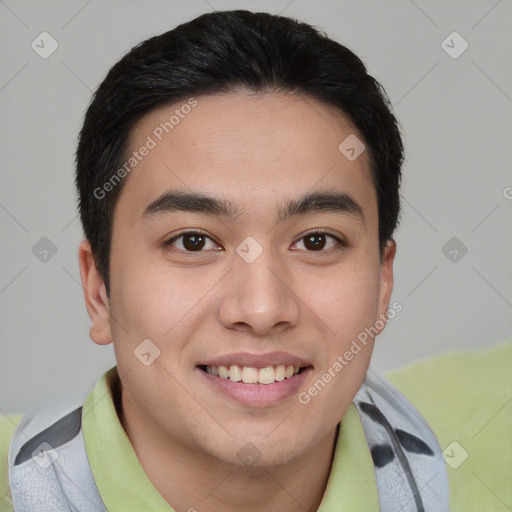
(317, 241)
(193, 242)
(190, 241)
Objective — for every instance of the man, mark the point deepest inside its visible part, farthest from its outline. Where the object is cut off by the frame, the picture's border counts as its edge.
(239, 188)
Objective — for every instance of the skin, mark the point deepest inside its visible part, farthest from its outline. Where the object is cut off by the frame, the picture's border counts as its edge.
(258, 150)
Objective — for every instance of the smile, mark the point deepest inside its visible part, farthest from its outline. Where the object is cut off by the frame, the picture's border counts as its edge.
(252, 375)
(255, 387)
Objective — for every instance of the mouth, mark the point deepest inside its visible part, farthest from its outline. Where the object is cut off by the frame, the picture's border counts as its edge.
(257, 386)
(252, 375)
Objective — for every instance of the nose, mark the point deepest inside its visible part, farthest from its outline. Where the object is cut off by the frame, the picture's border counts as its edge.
(258, 297)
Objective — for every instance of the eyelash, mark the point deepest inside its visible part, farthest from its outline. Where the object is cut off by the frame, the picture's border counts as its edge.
(341, 243)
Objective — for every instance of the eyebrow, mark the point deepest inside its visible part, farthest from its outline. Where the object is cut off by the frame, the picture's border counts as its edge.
(314, 202)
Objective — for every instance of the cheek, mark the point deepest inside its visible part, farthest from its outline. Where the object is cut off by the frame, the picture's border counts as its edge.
(345, 299)
(348, 309)
(153, 300)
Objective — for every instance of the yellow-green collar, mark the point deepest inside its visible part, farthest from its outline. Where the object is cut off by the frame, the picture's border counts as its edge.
(124, 485)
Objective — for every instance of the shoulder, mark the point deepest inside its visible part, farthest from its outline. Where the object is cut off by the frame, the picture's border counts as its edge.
(7, 427)
(466, 397)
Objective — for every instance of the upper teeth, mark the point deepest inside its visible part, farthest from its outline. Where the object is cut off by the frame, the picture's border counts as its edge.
(250, 375)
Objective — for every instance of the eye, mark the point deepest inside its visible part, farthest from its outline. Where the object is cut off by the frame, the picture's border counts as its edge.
(190, 241)
(196, 241)
(317, 240)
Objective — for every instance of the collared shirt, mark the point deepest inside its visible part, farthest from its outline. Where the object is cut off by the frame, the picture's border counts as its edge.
(124, 485)
(464, 397)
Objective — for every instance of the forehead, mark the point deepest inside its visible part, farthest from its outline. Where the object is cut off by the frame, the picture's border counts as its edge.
(256, 150)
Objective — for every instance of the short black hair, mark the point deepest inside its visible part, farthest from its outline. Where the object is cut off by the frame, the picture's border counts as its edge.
(218, 53)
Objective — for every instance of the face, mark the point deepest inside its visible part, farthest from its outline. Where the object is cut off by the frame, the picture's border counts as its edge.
(250, 284)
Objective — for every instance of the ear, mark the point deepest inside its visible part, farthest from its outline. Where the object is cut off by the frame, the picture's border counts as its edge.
(386, 280)
(95, 295)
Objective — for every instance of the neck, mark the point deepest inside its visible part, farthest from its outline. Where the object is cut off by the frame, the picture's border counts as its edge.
(194, 481)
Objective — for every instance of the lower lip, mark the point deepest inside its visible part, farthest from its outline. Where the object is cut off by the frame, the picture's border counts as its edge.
(258, 394)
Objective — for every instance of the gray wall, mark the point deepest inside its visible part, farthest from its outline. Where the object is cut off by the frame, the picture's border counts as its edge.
(455, 113)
